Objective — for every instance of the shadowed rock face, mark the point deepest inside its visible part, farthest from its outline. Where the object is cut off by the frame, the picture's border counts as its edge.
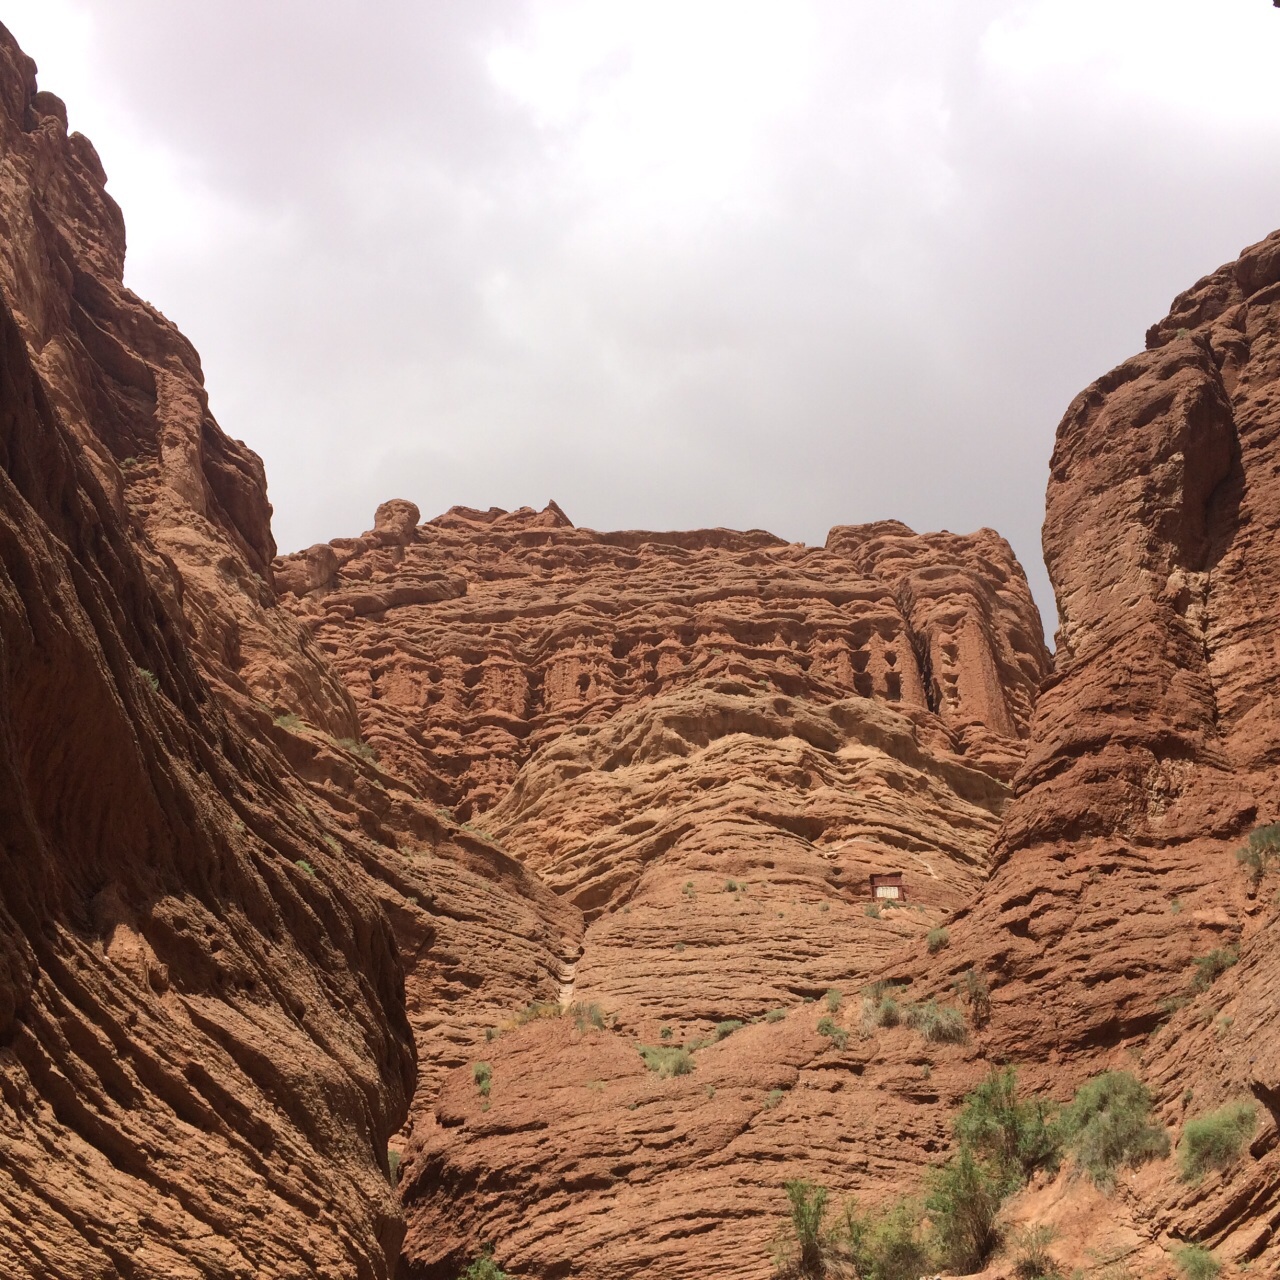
(1155, 744)
(209, 899)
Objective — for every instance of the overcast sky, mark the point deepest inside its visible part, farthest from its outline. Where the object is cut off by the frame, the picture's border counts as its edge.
(675, 263)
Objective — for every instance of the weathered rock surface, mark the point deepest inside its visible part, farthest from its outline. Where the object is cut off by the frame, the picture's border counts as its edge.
(706, 742)
(210, 896)
(1155, 744)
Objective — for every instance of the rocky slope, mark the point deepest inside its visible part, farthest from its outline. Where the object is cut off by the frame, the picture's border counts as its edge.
(705, 741)
(1154, 747)
(211, 895)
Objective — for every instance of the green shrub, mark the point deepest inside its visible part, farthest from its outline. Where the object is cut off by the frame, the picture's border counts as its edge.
(1260, 855)
(687, 889)
(1108, 1124)
(1033, 1260)
(884, 1247)
(937, 1023)
(482, 1074)
(393, 1165)
(808, 1208)
(303, 865)
(873, 910)
(964, 1197)
(1196, 1263)
(1214, 1140)
(936, 940)
(774, 1097)
(723, 1029)
(833, 998)
(838, 1035)
(731, 886)
(1209, 968)
(775, 1015)
(151, 678)
(972, 987)
(484, 1268)
(290, 721)
(885, 1012)
(666, 1060)
(588, 1015)
(1013, 1137)
(665, 1033)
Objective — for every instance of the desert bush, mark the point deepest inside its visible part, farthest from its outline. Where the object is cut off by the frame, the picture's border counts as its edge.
(808, 1208)
(838, 1035)
(964, 1197)
(666, 1060)
(290, 721)
(1108, 1124)
(687, 889)
(774, 1097)
(775, 1015)
(938, 1023)
(833, 998)
(1196, 1263)
(1033, 1261)
(887, 1246)
(482, 1074)
(1260, 855)
(873, 910)
(588, 1015)
(972, 987)
(731, 886)
(1012, 1136)
(1214, 1140)
(393, 1165)
(303, 865)
(358, 748)
(666, 1033)
(725, 1028)
(885, 1012)
(1209, 968)
(936, 940)
(483, 1267)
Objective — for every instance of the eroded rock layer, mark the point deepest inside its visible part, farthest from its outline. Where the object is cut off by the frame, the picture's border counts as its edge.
(211, 896)
(1155, 746)
(706, 742)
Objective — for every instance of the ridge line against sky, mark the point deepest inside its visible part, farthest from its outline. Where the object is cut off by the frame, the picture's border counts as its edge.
(718, 262)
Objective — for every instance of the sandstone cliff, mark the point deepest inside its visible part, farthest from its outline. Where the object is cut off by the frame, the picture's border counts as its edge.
(705, 741)
(210, 890)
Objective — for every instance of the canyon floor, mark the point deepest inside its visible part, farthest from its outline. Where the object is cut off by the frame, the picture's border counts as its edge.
(487, 882)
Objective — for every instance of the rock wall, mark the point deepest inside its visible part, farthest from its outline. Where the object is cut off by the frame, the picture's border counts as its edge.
(706, 742)
(1155, 744)
(212, 894)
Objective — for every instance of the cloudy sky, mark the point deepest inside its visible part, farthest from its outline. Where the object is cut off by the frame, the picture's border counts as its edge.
(760, 263)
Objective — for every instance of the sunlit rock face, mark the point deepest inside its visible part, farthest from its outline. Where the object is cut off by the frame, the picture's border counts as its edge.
(706, 742)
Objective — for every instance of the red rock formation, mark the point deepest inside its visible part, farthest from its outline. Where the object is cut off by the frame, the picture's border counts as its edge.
(203, 1035)
(706, 741)
(1155, 743)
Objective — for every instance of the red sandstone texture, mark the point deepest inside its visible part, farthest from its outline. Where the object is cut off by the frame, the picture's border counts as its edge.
(706, 742)
(1154, 748)
(210, 894)
(274, 830)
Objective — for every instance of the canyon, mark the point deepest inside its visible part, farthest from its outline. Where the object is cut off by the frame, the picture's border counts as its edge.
(351, 896)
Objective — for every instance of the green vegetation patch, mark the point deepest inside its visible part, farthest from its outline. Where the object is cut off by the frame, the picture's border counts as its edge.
(666, 1060)
(1214, 1140)
(1108, 1126)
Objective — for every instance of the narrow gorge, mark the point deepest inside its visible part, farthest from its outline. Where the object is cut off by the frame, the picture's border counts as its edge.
(489, 882)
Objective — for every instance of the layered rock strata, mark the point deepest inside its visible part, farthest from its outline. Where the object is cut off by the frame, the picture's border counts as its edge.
(706, 742)
(211, 894)
(1155, 745)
